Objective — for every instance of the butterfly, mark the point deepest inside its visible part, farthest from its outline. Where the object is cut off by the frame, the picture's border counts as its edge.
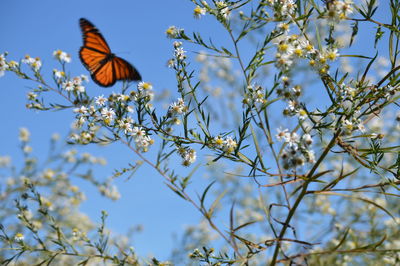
(104, 66)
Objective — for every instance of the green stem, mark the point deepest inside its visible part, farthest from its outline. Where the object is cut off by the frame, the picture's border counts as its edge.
(302, 194)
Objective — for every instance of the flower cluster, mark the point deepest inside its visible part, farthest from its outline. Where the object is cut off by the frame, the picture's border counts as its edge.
(24, 134)
(114, 112)
(5, 161)
(254, 95)
(351, 125)
(3, 64)
(75, 85)
(199, 11)
(319, 59)
(108, 115)
(223, 9)
(188, 155)
(19, 237)
(61, 56)
(109, 190)
(141, 138)
(145, 92)
(179, 53)
(298, 149)
(228, 145)
(287, 91)
(179, 56)
(34, 63)
(291, 47)
(339, 9)
(283, 9)
(173, 32)
(291, 94)
(178, 107)
(174, 111)
(59, 76)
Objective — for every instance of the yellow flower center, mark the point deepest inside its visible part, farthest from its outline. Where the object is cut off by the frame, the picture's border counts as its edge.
(198, 10)
(283, 47)
(298, 52)
(146, 85)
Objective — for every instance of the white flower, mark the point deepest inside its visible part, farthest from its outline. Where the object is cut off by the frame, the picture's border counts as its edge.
(307, 46)
(13, 65)
(361, 127)
(348, 126)
(293, 140)
(110, 191)
(24, 134)
(138, 132)
(145, 90)
(58, 74)
(180, 53)
(229, 145)
(100, 100)
(68, 85)
(177, 44)
(288, 7)
(302, 114)
(310, 156)
(283, 134)
(31, 96)
(27, 149)
(5, 161)
(62, 56)
(255, 94)
(223, 9)
(199, 11)
(126, 126)
(19, 237)
(143, 143)
(145, 86)
(74, 85)
(81, 110)
(34, 63)
(84, 78)
(77, 81)
(283, 61)
(292, 106)
(107, 113)
(178, 107)
(172, 32)
(306, 139)
(189, 157)
(78, 123)
(141, 139)
(119, 97)
(3, 64)
(332, 54)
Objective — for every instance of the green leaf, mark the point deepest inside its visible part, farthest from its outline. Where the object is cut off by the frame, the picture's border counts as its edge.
(203, 197)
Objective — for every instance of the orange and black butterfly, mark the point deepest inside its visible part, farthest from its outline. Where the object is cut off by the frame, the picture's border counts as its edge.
(104, 66)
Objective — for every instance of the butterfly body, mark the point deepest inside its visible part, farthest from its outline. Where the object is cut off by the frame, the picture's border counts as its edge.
(104, 66)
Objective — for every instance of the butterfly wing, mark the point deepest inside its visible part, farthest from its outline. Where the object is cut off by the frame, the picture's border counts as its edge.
(113, 70)
(95, 48)
(124, 70)
(96, 56)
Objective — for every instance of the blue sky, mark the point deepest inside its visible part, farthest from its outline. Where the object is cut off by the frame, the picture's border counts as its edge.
(135, 30)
